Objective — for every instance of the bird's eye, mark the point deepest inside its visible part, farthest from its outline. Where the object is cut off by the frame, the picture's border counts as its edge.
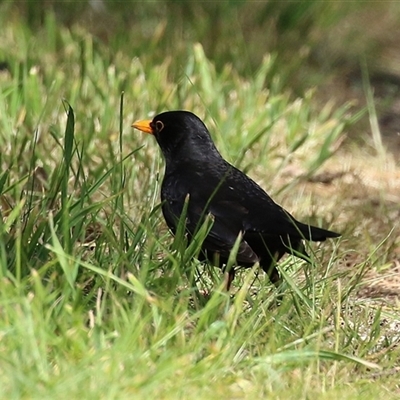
(159, 126)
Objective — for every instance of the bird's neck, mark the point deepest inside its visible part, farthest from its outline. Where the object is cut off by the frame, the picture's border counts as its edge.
(196, 154)
(197, 169)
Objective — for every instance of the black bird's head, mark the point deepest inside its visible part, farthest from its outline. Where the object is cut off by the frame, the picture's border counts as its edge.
(181, 135)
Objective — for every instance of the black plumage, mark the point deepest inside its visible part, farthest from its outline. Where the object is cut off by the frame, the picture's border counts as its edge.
(195, 168)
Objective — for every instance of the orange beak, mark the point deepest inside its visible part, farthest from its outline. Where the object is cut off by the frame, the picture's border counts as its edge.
(143, 126)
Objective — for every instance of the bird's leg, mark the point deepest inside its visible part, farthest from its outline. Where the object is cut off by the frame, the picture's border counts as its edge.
(274, 276)
(272, 271)
(229, 277)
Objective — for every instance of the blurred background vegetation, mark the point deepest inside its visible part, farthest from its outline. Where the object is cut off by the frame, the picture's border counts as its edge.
(313, 43)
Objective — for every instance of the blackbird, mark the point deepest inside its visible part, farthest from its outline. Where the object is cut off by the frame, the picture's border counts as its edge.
(194, 169)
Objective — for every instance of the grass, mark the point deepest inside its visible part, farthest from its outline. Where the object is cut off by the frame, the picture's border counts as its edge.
(98, 300)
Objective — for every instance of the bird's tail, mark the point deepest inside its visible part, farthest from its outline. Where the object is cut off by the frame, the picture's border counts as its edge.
(316, 234)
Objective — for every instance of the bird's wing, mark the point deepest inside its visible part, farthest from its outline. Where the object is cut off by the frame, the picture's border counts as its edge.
(243, 206)
(263, 214)
(224, 231)
(237, 204)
